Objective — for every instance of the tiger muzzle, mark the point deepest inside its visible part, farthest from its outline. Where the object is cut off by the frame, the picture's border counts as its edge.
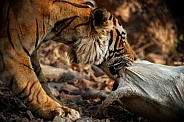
(120, 64)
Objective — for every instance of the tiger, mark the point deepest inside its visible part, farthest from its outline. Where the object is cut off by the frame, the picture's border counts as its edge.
(94, 36)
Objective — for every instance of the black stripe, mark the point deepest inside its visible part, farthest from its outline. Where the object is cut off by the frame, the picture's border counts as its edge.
(27, 66)
(117, 31)
(83, 24)
(70, 42)
(21, 92)
(32, 98)
(118, 50)
(114, 21)
(116, 42)
(37, 33)
(38, 93)
(11, 82)
(110, 43)
(7, 17)
(61, 25)
(119, 54)
(115, 46)
(123, 33)
(82, 45)
(119, 24)
(46, 100)
(111, 53)
(98, 42)
(2, 60)
(115, 85)
(26, 51)
(111, 40)
(26, 96)
(8, 27)
(9, 36)
(76, 5)
(110, 17)
(95, 49)
(123, 37)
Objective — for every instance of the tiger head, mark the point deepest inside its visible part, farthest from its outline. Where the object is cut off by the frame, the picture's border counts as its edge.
(105, 45)
(97, 38)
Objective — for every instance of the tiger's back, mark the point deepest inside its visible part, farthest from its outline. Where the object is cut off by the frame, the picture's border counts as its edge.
(25, 25)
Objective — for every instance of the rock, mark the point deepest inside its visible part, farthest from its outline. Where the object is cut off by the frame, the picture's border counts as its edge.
(59, 119)
(31, 117)
(97, 71)
(70, 89)
(60, 74)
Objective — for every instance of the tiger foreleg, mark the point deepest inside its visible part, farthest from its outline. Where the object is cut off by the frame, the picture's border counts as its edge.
(19, 75)
(37, 68)
(36, 99)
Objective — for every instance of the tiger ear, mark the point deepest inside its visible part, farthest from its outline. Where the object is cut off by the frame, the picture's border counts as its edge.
(99, 16)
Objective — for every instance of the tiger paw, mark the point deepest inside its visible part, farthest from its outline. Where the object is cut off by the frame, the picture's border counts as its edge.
(49, 112)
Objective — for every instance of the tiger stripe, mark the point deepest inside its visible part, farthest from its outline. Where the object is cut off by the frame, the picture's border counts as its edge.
(9, 36)
(1, 62)
(75, 5)
(59, 26)
(21, 93)
(11, 82)
(37, 33)
(25, 50)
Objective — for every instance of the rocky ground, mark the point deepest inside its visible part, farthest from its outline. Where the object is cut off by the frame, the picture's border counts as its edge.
(151, 33)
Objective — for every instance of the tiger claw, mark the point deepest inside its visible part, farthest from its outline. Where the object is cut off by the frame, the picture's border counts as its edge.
(50, 112)
(70, 113)
(65, 112)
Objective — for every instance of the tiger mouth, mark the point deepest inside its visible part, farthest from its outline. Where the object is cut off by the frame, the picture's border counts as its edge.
(120, 64)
